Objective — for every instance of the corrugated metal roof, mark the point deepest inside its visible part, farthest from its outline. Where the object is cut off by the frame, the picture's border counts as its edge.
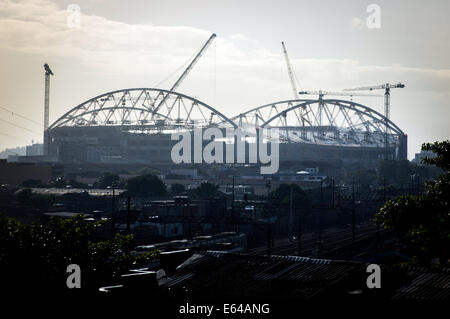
(320, 272)
(426, 286)
(178, 279)
(305, 271)
(305, 277)
(302, 259)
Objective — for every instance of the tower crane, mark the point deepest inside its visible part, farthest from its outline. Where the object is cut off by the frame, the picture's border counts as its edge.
(387, 100)
(186, 72)
(290, 72)
(387, 93)
(294, 86)
(48, 72)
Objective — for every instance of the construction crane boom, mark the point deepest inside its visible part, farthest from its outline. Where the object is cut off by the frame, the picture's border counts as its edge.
(193, 62)
(322, 93)
(387, 104)
(186, 71)
(387, 92)
(377, 87)
(290, 71)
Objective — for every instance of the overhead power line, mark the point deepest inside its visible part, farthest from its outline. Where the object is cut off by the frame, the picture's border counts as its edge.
(19, 115)
(24, 128)
(14, 137)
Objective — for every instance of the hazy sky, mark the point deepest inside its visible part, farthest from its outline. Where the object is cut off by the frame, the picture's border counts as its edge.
(123, 44)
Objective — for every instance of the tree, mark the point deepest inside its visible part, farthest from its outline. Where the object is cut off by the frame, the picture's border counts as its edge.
(206, 191)
(59, 182)
(108, 179)
(398, 172)
(282, 195)
(424, 221)
(177, 189)
(36, 256)
(442, 151)
(146, 185)
(28, 198)
(33, 183)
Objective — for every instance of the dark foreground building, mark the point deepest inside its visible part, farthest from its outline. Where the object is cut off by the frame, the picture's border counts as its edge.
(284, 283)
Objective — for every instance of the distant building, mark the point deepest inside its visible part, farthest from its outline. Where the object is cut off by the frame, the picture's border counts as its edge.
(17, 173)
(12, 151)
(419, 156)
(35, 149)
(186, 172)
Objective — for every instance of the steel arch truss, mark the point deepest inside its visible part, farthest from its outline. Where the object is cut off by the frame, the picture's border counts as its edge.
(261, 114)
(329, 122)
(145, 108)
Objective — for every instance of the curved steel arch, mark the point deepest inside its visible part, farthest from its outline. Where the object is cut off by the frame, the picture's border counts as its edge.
(324, 121)
(345, 104)
(264, 112)
(156, 104)
(74, 118)
(269, 104)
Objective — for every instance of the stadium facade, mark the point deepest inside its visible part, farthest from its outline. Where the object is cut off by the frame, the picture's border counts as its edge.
(134, 126)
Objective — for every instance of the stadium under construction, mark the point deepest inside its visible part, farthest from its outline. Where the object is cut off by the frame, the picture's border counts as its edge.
(134, 126)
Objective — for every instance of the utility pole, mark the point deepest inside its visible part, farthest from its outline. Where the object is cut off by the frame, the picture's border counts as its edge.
(234, 218)
(290, 212)
(321, 191)
(332, 193)
(128, 214)
(353, 211)
(113, 211)
(269, 240)
(299, 233)
(48, 72)
(269, 226)
(232, 202)
(418, 185)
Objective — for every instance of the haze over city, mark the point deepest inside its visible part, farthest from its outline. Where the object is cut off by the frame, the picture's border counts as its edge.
(147, 43)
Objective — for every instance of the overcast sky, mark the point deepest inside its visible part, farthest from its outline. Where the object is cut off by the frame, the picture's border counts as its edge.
(123, 44)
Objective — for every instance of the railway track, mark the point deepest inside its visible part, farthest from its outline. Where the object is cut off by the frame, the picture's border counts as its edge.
(315, 245)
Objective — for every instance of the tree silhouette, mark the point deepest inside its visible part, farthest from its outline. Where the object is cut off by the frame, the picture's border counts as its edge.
(34, 257)
(146, 185)
(424, 221)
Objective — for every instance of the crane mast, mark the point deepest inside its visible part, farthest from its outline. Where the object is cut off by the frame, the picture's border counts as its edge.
(186, 71)
(48, 72)
(290, 72)
(387, 104)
